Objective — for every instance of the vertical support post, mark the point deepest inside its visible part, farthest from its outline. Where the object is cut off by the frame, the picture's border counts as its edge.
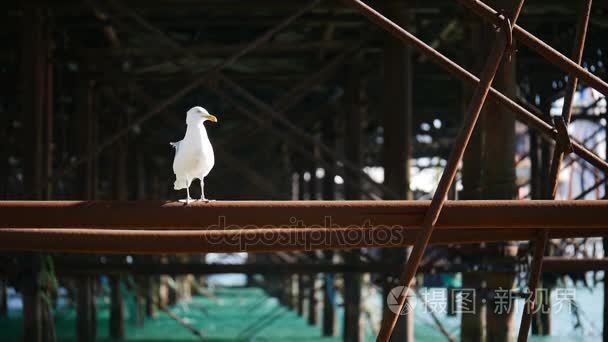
(301, 291)
(541, 320)
(38, 324)
(352, 190)
(140, 303)
(605, 311)
(397, 113)
(432, 215)
(328, 134)
(313, 317)
(85, 309)
(32, 322)
(294, 291)
(329, 305)
(32, 311)
(117, 326)
(560, 148)
(85, 300)
(352, 329)
(152, 299)
(397, 147)
(50, 112)
(605, 245)
(3, 298)
(498, 179)
(473, 323)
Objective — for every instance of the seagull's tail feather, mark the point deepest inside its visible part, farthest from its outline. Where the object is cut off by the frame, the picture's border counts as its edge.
(180, 184)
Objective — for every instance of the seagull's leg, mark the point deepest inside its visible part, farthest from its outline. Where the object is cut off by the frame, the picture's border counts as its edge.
(188, 191)
(203, 191)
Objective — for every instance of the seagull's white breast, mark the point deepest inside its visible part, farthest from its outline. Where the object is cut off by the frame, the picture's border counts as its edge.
(194, 156)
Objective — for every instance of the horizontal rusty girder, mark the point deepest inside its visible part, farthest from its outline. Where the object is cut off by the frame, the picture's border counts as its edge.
(553, 264)
(116, 241)
(151, 227)
(71, 267)
(223, 215)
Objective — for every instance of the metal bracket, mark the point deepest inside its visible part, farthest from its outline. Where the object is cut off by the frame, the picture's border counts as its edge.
(562, 140)
(507, 28)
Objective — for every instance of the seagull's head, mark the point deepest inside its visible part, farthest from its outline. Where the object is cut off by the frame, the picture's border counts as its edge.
(197, 115)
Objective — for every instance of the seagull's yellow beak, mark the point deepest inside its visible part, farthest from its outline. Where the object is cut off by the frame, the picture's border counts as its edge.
(212, 118)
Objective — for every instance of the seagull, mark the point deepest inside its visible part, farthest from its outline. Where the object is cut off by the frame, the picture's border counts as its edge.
(194, 154)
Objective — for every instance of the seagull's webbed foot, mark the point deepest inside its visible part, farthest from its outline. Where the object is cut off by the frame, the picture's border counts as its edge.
(186, 200)
(206, 200)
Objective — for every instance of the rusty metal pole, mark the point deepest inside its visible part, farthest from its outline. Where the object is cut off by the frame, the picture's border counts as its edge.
(487, 76)
(560, 147)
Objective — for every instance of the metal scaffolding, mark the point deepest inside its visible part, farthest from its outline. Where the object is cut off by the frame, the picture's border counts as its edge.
(508, 30)
(158, 227)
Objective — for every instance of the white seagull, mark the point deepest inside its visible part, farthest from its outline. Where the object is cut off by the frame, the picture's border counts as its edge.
(194, 154)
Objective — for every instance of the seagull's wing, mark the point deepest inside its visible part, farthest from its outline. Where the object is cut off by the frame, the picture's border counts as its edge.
(175, 145)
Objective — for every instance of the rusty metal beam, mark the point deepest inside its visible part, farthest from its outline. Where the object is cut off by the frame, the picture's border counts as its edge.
(115, 241)
(553, 264)
(64, 267)
(468, 215)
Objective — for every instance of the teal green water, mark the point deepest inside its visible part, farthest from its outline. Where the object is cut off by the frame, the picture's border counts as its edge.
(247, 314)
